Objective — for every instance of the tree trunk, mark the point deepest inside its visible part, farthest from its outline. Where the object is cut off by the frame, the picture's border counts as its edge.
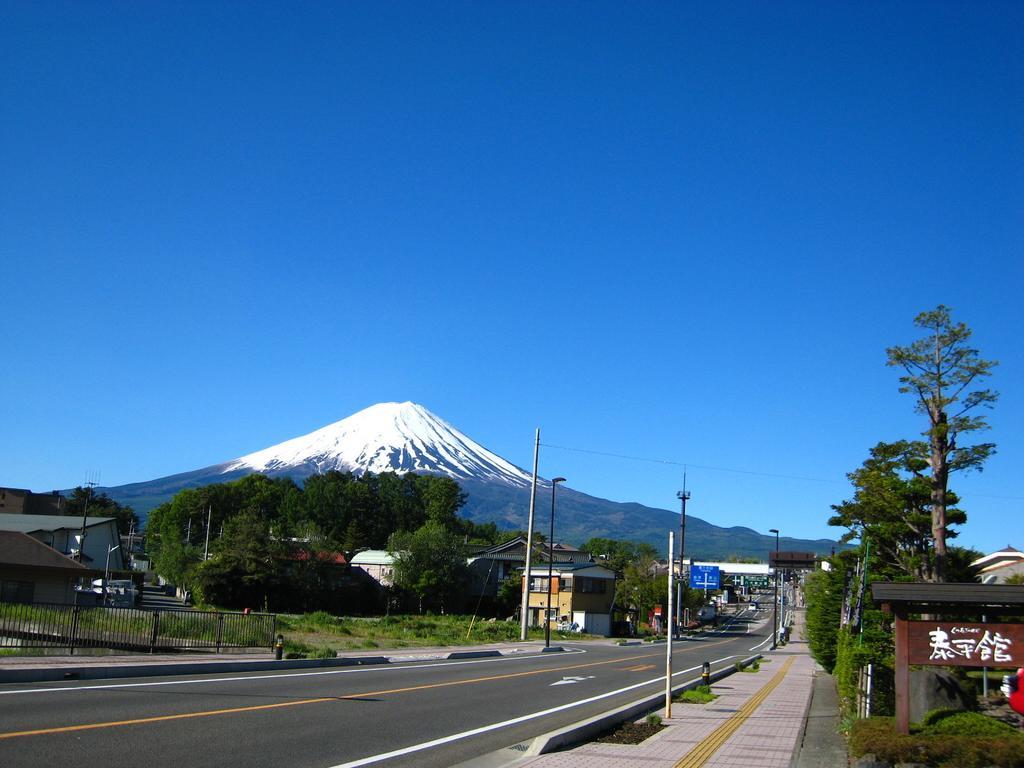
(940, 478)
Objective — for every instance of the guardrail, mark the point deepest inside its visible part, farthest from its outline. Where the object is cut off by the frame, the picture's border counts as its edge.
(132, 629)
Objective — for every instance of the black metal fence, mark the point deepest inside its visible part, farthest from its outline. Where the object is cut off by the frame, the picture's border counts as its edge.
(131, 629)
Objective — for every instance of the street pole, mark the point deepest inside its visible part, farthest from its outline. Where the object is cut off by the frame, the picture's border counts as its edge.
(668, 644)
(682, 495)
(775, 604)
(106, 572)
(85, 516)
(206, 548)
(551, 563)
(524, 610)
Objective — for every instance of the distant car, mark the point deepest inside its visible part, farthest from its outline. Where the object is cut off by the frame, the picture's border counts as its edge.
(708, 614)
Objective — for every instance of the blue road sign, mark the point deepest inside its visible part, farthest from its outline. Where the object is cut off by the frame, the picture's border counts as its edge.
(705, 577)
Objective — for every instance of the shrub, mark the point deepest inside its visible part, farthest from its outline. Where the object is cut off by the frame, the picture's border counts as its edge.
(877, 736)
(959, 723)
(653, 719)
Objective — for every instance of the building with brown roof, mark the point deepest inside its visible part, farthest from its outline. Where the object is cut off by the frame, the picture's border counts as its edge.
(32, 572)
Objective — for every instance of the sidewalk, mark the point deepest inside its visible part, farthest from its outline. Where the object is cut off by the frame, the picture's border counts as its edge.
(778, 717)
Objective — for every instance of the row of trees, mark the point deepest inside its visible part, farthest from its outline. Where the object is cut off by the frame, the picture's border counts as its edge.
(240, 543)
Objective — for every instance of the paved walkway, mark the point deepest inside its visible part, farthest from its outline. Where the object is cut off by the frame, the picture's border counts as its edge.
(757, 721)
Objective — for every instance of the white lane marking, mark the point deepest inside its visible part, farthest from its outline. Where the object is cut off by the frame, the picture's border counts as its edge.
(514, 721)
(346, 671)
(572, 679)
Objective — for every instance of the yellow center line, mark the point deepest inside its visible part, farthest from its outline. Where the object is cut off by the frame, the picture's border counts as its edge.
(321, 700)
(704, 751)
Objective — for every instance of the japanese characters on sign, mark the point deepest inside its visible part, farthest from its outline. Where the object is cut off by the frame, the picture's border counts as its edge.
(966, 645)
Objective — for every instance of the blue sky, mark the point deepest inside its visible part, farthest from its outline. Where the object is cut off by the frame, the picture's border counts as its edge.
(671, 231)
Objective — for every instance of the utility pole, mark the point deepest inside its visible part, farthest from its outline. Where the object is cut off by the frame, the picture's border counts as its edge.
(668, 643)
(89, 484)
(206, 549)
(524, 609)
(682, 495)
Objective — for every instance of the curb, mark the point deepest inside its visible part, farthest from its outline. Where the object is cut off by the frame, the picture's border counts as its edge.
(577, 733)
(86, 672)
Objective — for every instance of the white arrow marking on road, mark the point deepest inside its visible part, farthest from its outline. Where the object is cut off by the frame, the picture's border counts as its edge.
(572, 679)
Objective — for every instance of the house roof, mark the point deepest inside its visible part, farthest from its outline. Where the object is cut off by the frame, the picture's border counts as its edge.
(33, 523)
(574, 568)
(1008, 553)
(20, 549)
(303, 555)
(372, 557)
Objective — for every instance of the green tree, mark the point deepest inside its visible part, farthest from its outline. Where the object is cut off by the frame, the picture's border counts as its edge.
(246, 569)
(442, 499)
(823, 596)
(890, 508)
(941, 370)
(430, 564)
(617, 554)
(101, 505)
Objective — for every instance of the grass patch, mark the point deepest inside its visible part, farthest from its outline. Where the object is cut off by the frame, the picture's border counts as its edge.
(700, 695)
(311, 631)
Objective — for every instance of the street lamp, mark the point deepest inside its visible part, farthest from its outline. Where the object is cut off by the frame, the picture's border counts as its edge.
(551, 562)
(106, 571)
(775, 604)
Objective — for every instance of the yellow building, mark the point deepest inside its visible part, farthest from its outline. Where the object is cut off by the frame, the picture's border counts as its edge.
(581, 593)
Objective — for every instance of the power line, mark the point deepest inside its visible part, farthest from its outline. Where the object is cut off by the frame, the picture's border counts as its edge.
(684, 464)
(691, 464)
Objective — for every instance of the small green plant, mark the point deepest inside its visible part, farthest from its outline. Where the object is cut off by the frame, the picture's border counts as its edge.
(653, 719)
(324, 653)
(700, 695)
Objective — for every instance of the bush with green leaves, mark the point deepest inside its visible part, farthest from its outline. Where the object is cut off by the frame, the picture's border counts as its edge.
(878, 736)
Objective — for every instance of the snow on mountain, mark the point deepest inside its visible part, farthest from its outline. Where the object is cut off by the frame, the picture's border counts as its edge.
(387, 437)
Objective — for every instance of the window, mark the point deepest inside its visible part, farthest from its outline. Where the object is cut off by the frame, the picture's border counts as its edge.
(586, 584)
(17, 591)
(538, 584)
(565, 584)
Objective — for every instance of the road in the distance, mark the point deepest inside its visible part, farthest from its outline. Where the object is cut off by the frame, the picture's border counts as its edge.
(338, 716)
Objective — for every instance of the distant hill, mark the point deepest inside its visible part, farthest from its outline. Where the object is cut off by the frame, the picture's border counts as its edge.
(406, 437)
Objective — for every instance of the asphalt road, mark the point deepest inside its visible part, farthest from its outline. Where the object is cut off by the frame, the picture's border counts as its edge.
(418, 714)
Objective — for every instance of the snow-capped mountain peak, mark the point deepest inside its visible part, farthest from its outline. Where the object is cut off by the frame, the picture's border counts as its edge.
(387, 437)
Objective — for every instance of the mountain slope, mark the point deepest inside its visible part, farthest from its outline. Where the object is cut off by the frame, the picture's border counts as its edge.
(387, 437)
(406, 437)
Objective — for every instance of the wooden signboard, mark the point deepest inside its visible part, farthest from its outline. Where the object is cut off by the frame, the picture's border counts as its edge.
(962, 644)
